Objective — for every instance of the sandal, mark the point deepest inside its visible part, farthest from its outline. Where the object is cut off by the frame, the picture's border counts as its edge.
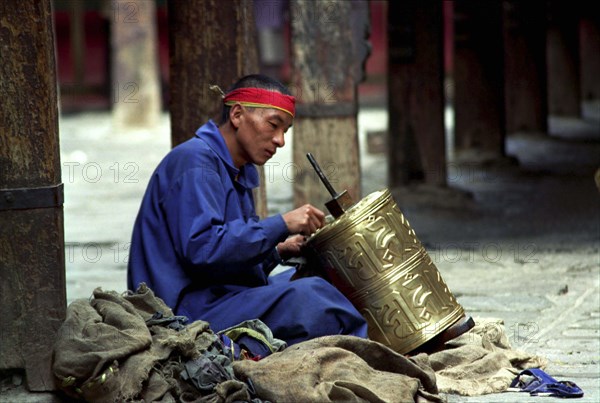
(538, 383)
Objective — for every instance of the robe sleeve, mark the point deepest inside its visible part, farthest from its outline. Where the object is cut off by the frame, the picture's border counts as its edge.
(203, 236)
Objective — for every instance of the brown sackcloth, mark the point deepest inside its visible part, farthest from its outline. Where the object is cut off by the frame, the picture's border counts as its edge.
(345, 368)
(340, 368)
(481, 361)
(107, 352)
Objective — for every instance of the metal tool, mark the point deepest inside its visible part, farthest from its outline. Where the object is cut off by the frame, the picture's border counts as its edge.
(341, 202)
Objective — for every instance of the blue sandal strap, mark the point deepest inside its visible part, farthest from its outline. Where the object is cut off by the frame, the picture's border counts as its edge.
(537, 379)
(539, 382)
(559, 389)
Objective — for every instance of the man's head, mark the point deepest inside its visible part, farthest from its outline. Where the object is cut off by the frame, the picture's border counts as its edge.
(257, 112)
(259, 81)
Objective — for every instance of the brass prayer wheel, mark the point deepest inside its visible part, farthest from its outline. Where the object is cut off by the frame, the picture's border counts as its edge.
(372, 255)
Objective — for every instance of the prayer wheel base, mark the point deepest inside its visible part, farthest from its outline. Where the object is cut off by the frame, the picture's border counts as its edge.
(461, 326)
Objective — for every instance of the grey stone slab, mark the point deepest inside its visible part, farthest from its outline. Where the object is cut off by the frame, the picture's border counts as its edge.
(22, 395)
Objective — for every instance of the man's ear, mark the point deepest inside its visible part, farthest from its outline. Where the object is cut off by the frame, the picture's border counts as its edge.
(235, 114)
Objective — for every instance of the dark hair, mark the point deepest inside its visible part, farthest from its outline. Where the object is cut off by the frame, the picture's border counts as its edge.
(254, 81)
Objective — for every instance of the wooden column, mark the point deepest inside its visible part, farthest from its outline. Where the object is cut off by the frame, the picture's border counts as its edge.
(479, 77)
(415, 93)
(328, 50)
(525, 65)
(77, 37)
(564, 88)
(32, 264)
(210, 42)
(135, 86)
(590, 53)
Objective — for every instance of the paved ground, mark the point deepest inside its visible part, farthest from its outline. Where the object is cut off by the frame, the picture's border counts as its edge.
(515, 242)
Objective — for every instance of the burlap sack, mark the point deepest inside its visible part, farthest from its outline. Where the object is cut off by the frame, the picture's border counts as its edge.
(481, 361)
(340, 368)
(105, 352)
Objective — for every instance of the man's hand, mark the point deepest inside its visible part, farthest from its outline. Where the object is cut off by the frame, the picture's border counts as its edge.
(304, 220)
(291, 247)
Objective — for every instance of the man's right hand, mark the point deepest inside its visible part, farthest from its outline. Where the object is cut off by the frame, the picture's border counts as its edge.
(304, 220)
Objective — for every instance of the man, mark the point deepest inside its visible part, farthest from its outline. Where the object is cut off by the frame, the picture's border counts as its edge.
(198, 244)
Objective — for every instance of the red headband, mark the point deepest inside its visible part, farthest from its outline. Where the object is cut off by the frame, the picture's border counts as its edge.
(261, 98)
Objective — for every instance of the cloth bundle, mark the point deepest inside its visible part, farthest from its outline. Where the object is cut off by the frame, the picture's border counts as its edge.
(132, 348)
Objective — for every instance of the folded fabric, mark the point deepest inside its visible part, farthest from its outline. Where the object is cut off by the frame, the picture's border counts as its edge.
(254, 337)
(538, 383)
(172, 322)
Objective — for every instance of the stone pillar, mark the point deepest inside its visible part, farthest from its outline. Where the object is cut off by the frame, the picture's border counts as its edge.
(210, 42)
(32, 262)
(329, 49)
(479, 77)
(564, 88)
(136, 85)
(415, 93)
(525, 65)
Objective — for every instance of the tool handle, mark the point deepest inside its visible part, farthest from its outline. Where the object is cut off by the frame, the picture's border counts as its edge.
(324, 179)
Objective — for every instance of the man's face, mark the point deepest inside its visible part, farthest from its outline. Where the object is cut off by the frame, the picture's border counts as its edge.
(260, 132)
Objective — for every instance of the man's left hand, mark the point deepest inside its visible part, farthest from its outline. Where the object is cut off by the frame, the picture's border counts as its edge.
(291, 247)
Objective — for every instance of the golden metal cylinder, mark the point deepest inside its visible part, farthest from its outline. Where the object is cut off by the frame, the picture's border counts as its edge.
(372, 255)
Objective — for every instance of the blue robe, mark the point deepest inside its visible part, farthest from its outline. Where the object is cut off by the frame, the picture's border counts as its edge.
(198, 244)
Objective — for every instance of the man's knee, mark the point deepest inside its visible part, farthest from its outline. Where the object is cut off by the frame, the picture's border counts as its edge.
(318, 295)
(311, 286)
